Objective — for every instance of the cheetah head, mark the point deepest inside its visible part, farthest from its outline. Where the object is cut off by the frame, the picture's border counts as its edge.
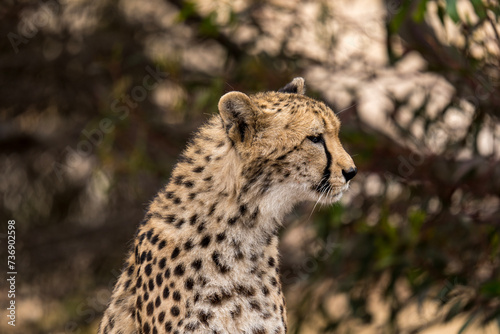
(288, 144)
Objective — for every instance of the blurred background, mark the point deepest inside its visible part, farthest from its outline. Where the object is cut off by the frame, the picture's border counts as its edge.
(98, 98)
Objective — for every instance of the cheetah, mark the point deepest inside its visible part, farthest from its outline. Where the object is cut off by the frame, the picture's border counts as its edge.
(205, 257)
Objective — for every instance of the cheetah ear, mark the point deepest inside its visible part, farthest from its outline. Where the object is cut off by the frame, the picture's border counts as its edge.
(296, 86)
(238, 115)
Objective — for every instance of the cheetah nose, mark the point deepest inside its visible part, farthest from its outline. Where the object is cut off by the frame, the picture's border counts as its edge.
(350, 173)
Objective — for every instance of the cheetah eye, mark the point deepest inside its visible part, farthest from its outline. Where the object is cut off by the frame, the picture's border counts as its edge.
(316, 139)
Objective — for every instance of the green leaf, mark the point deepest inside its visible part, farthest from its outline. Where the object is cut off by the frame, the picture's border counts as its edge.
(491, 289)
(187, 11)
(451, 10)
(416, 219)
(400, 16)
(419, 14)
(479, 8)
(208, 26)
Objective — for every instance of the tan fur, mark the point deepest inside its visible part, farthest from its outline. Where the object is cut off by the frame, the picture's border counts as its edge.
(205, 258)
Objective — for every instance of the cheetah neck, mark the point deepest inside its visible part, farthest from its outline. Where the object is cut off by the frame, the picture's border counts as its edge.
(212, 199)
(212, 181)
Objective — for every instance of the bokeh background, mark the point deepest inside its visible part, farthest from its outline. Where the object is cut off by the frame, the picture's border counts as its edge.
(98, 98)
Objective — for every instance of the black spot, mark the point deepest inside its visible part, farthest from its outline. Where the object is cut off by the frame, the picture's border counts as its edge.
(192, 196)
(138, 303)
(243, 209)
(212, 209)
(148, 269)
(178, 179)
(204, 316)
(157, 301)
(175, 252)
(180, 223)
(161, 317)
(245, 291)
(255, 214)
(202, 281)
(167, 273)
(162, 263)
(177, 200)
(207, 179)
(175, 311)
(130, 270)
(188, 245)
(138, 283)
(259, 330)
(196, 264)
(149, 234)
(166, 292)
(193, 219)
(176, 296)
(154, 240)
(271, 262)
(189, 184)
(179, 270)
(146, 328)
(201, 227)
(265, 290)
(231, 221)
(254, 305)
(273, 281)
(215, 299)
(236, 312)
(192, 326)
(170, 218)
(183, 158)
(143, 257)
(127, 284)
(220, 237)
(205, 241)
(149, 256)
(159, 280)
(168, 326)
(151, 285)
(198, 169)
(150, 308)
(239, 254)
(281, 157)
(189, 284)
(222, 267)
(162, 244)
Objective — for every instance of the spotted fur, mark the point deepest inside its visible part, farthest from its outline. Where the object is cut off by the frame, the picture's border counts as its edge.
(205, 258)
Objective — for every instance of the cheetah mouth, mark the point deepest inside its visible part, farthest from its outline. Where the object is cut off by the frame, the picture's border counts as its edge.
(330, 194)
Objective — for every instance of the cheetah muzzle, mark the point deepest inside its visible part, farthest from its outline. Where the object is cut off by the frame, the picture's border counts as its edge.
(205, 257)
